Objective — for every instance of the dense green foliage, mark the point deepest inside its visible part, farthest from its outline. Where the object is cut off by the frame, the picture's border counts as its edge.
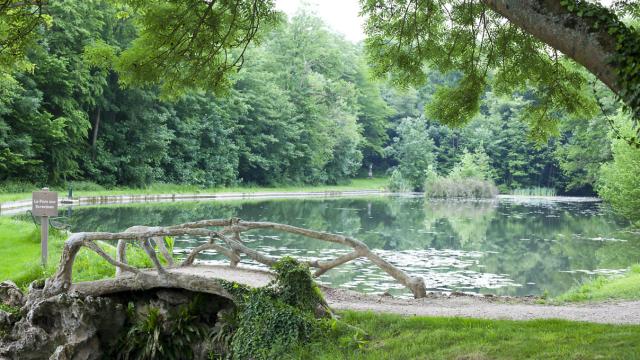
(295, 114)
(92, 107)
(274, 319)
(490, 45)
(620, 183)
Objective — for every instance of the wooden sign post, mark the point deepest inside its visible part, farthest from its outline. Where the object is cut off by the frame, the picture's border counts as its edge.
(44, 204)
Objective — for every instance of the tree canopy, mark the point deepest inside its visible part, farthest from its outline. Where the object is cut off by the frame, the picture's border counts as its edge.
(513, 45)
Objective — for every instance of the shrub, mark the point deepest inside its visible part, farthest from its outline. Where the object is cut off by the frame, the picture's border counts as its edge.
(397, 183)
(619, 182)
(470, 178)
(17, 187)
(274, 319)
(154, 334)
(460, 188)
(504, 189)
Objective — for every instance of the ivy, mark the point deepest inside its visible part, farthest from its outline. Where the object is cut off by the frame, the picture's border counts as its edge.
(627, 52)
(274, 319)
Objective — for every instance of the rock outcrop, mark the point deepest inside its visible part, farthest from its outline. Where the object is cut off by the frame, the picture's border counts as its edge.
(10, 294)
(71, 326)
(63, 327)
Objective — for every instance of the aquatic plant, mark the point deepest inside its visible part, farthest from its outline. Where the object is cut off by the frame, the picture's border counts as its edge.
(449, 188)
(534, 191)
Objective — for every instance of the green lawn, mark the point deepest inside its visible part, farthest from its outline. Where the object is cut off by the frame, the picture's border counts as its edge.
(398, 337)
(355, 184)
(624, 287)
(20, 251)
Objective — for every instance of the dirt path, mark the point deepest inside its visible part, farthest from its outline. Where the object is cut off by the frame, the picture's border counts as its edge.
(623, 312)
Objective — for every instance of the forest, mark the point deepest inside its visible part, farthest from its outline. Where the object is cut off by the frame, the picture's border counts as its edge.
(304, 109)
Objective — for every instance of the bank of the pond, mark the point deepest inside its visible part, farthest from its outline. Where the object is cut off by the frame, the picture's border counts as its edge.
(602, 288)
(400, 337)
(177, 189)
(487, 307)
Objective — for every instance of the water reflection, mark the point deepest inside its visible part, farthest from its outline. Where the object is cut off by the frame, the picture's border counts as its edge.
(502, 247)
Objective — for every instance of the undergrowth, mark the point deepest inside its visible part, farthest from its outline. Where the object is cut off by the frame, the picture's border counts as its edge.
(154, 334)
(277, 317)
(271, 322)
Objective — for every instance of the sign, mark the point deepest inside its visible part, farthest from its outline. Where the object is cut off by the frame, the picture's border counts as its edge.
(45, 203)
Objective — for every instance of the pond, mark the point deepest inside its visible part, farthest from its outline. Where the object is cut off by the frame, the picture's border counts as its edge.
(504, 247)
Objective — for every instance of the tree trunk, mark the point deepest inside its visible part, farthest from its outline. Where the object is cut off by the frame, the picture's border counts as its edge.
(570, 34)
(96, 126)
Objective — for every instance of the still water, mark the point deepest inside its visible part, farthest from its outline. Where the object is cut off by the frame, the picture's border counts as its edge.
(506, 247)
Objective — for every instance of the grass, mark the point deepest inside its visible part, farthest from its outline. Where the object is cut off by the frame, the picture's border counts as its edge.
(601, 288)
(160, 188)
(534, 191)
(398, 337)
(20, 249)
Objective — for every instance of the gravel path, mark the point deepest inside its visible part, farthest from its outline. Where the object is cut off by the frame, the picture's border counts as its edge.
(622, 312)
(494, 307)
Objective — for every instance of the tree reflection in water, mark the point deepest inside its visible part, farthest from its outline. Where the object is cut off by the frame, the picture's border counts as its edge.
(501, 246)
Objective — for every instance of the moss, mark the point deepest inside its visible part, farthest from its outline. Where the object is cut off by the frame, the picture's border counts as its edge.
(10, 309)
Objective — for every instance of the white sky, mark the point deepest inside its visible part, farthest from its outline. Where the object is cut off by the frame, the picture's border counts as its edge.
(339, 15)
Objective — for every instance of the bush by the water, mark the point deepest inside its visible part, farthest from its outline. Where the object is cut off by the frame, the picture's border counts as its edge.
(398, 184)
(460, 188)
(472, 177)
